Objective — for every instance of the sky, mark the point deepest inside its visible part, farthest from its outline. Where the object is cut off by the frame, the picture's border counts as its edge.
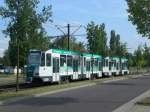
(80, 12)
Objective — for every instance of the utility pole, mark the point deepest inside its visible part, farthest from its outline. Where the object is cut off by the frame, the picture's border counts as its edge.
(68, 27)
(91, 78)
(68, 34)
(17, 78)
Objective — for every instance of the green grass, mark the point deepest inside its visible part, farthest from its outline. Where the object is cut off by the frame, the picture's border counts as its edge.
(145, 102)
(6, 79)
(29, 92)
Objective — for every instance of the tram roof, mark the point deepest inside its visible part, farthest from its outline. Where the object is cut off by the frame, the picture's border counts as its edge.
(64, 52)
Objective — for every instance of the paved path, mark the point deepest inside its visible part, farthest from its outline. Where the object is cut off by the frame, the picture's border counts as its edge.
(99, 98)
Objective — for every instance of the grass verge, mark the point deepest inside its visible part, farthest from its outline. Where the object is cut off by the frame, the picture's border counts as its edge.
(10, 79)
(145, 102)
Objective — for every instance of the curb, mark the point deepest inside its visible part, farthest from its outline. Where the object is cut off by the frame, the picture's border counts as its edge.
(108, 81)
(127, 106)
(1, 103)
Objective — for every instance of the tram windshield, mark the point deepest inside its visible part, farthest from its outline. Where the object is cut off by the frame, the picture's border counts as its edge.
(34, 58)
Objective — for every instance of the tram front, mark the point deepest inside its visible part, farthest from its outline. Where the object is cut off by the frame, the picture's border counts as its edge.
(34, 61)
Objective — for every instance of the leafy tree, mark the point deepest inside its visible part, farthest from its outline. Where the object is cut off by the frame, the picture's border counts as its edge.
(25, 27)
(77, 46)
(117, 48)
(6, 60)
(139, 15)
(112, 42)
(97, 38)
(91, 37)
(139, 58)
(146, 53)
(101, 40)
(80, 47)
(130, 59)
(122, 49)
(62, 43)
(1, 60)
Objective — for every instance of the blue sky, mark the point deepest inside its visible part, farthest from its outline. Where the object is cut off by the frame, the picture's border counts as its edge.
(80, 12)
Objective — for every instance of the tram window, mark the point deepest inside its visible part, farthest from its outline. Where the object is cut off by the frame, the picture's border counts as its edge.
(87, 65)
(69, 60)
(43, 59)
(48, 59)
(84, 61)
(122, 66)
(96, 62)
(117, 66)
(100, 65)
(103, 62)
(75, 65)
(55, 65)
(110, 65)
(62, 60)
(126, 65)
(106, 62)
(114, 63)
(92, 62)
(79, 62)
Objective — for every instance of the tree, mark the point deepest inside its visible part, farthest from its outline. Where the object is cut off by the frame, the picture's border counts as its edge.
(130, 59)
(122, 49)
(91, 36)
(97, 39)
(25, 27)
(1, 60)
(139, 58)
(146, 53)
(112, 42)
(6, 60)
(101, 40)
(139, 15)
(117, 48)
(61, 43)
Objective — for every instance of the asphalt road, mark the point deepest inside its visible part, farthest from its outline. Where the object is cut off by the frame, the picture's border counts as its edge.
(100, 98)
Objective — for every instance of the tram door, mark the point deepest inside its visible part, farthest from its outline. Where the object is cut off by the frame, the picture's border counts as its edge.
(45, 69)
(55, 69)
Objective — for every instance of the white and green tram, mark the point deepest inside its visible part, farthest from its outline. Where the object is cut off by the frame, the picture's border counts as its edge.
(56, 65)
(124, 66)
(114, 65)
(106, 67)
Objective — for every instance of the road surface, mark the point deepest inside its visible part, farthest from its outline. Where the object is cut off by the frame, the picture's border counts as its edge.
(99, 98)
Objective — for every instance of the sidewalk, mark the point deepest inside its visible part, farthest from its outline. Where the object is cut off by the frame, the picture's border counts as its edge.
(132, 105)
(144, 107)
(140, 108)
